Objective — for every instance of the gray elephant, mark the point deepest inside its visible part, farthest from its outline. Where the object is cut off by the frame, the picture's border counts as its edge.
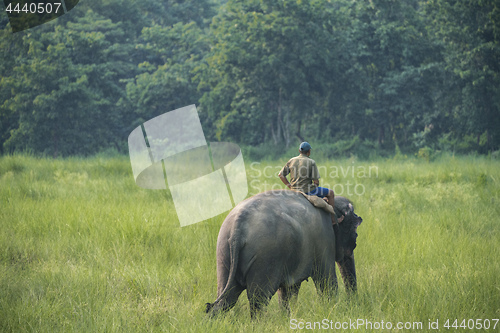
(275, 240)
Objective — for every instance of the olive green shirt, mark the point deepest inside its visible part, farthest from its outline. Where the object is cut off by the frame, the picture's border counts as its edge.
(303, 171)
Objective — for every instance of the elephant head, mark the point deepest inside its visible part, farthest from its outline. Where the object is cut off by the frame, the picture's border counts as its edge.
(348, 235)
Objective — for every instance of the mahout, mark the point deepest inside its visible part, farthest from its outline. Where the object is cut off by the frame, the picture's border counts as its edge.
(273, 241)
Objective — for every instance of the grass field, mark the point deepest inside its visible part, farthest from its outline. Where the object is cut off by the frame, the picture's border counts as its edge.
(86, 250)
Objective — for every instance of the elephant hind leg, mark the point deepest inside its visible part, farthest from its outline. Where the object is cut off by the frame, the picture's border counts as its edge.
(286, 294)
(259, 293)
(258, 298)
(262, 281)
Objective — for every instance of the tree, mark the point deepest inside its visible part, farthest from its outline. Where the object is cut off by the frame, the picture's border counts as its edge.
(394, 70)
(65, 87)
(469, 32)
(171, 53)
(270, 67)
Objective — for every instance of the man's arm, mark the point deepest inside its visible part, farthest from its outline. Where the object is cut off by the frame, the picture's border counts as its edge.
(315, 174)
(285, 181)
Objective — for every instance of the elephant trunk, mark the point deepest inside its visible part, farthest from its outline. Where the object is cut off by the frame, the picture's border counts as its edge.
(348, 272)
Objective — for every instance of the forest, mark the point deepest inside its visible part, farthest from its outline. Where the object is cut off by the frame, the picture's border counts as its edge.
(351, 77)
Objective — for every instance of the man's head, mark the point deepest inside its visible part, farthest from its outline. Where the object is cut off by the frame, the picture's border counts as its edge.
(305, 148)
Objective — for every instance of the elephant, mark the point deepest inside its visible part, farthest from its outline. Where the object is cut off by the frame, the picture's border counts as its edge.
(273, 241)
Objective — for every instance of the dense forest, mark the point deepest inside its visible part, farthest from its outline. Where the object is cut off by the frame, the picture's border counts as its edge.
(354, 76)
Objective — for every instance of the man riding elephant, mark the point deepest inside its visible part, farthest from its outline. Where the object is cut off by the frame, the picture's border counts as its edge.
(304, 176)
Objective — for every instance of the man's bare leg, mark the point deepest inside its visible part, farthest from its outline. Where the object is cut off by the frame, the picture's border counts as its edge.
(339, 253)
(331, 201)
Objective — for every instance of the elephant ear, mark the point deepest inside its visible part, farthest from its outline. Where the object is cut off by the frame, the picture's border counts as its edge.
(339, 213)
(357, 219)
(343, 211)
(350, 208)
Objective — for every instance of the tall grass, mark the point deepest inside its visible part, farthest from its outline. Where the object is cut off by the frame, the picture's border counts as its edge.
(84, 249)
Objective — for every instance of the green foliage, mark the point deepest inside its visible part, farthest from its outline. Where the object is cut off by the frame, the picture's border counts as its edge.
(166, 82)
(425, 153)
(362, 76)
(398, 155)
(468, 31)
(321, 150)
(266, 152)
(65, 89)
(482, 179)
(269, 67)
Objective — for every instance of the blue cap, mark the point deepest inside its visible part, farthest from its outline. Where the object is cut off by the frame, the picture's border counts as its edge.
(305, 146)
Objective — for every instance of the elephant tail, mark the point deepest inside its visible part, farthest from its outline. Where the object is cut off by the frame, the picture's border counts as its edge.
(232, 289)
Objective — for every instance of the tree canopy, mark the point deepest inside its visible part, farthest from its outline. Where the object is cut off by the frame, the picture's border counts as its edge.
(382, 74)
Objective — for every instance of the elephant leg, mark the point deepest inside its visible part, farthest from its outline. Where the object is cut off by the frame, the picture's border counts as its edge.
(258, 297)
(348, 271)
(260, 289)
(286, 294)
(339, 250)
(325, 280)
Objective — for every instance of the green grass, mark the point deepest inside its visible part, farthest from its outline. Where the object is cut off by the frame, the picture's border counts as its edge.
(86, 250)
